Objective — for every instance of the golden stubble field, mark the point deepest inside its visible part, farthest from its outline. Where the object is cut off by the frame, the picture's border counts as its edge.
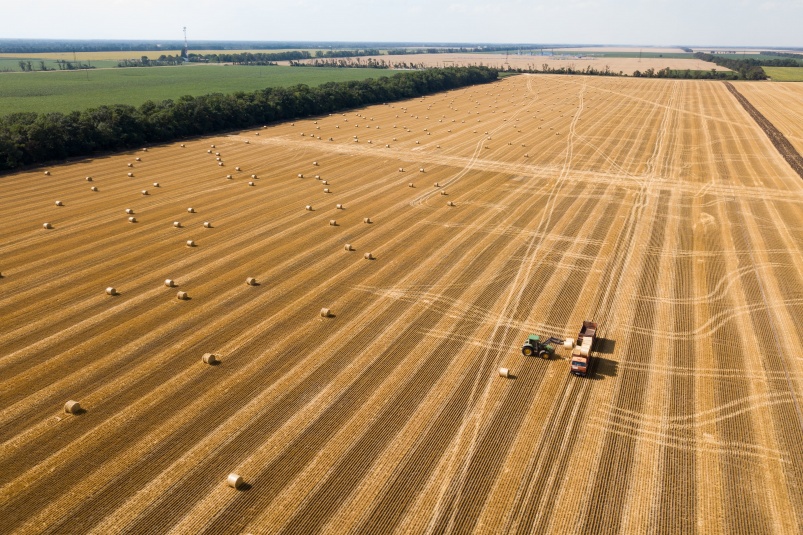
(655, 207)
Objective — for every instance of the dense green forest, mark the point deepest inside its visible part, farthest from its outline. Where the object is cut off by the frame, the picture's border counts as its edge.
(32, 138)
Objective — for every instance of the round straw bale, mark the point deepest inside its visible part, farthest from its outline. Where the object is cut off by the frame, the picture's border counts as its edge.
(129, 211)
(339, 206)
(348, 247)
(177, 224)
(300, 175)
(94, 188)
(229, 177)
(144, 150)
(251, 281)
(130, 164)
(132, 219)
(237, 168)
(421, 170)
(145, 192)
(250, 183)
(325, 313)
(314, 163)
(332, 223)
(182, 145)
(220, 164)
(326, 190)
(235, 481)
(207, 224)
(155, 184)
(170, 283)
(111, 290)
(309, 208)
(366, 220)
(190, 243)
(585, 351)
(568, 343)
(368, 256)
(317, 177)
(443, 192)
(401, 169)
(191, 210)
(218, 158)
(59, 203)
(504, 372)
(181, 296)
(248, 142)
(209, 151)
(450, 203)
(209, 358)
(89, 179)
(47, 226)
(130, 174)
(138, 159)
(212, 146)
(437, 184)
(410, 185)
(72, 407)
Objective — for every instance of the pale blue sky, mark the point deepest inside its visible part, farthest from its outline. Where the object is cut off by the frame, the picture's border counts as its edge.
(657, 22)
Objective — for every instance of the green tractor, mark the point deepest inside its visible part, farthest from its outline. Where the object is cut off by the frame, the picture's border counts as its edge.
(534, 346)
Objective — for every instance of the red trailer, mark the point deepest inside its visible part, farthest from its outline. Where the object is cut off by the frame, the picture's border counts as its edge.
(581, 354)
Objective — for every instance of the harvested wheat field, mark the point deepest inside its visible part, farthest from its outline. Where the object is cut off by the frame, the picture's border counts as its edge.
(355, 382)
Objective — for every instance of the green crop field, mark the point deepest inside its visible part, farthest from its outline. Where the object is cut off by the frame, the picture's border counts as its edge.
(66, 91)
(784, 74)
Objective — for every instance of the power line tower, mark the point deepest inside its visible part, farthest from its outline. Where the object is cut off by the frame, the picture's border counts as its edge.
(185, 52)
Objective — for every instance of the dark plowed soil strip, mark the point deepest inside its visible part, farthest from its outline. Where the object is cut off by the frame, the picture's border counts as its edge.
(786, 149)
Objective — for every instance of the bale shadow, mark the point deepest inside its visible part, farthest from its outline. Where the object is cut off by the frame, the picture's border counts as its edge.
(244, 487)
(606, 346)
(604, 368)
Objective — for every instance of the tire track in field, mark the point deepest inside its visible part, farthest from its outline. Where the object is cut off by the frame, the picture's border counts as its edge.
(414, 473)
(472, 427)
(535, 504)
(276, 475)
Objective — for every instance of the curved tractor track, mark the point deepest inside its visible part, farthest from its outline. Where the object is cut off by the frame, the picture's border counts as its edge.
(655, 207)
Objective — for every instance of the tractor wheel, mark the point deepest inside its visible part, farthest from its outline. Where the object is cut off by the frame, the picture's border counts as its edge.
(544, 354)
(527, 350)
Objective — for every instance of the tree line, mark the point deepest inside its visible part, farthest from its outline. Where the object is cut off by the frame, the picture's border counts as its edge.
(33, 138)
(748, 68)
